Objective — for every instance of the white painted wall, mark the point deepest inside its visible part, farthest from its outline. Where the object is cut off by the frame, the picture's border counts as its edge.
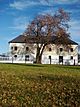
(54, 53)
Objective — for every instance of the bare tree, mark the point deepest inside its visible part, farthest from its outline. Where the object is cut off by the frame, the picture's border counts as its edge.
(45, 29)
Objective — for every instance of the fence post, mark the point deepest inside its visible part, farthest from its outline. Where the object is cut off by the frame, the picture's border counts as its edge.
(12, 59)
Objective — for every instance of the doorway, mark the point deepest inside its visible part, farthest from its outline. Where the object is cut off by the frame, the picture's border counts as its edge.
(61, 59)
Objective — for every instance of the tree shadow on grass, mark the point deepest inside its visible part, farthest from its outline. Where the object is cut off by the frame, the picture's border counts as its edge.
(31, 65)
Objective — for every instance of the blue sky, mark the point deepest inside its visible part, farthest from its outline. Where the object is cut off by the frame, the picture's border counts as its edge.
(15, 15)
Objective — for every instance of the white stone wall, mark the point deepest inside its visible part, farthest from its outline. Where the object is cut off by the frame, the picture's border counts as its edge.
(54, 53)
(66, 56)
(21, 51)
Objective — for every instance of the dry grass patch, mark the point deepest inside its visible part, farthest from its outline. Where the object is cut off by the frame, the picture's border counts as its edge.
(39, 85)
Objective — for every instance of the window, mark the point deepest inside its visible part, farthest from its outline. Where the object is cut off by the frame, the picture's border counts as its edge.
(49, 57)
(15, 48)
(27, 58)
(49, 49)
(15, 56)
(61, 49)
(71, 57)
(71, 49)
(11, 48)
(27, 48)
(61, 59)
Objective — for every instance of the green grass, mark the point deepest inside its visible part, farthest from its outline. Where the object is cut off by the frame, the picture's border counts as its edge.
(35, 85)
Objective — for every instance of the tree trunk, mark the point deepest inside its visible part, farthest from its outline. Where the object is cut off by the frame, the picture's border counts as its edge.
(39, 54)
(38, 59)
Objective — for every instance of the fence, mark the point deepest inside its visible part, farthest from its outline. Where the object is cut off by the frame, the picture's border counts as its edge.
(13, 60)
(49, 61)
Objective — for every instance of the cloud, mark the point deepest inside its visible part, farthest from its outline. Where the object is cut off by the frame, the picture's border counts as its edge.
(75, 25)
(44, 2)
(65, 1)
(20, 23)
(22, 4)
(75, 30)
(48, 11)
(53, 2)
(18, 27)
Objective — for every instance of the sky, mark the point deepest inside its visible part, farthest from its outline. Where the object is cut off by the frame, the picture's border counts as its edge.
(15, 15)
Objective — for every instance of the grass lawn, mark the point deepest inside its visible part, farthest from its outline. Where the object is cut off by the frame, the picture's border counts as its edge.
(32, 85)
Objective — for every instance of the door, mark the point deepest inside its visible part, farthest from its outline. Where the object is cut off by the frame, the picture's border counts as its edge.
(61, 59)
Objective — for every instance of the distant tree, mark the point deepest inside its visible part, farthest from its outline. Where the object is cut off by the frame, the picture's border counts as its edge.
(44, 27)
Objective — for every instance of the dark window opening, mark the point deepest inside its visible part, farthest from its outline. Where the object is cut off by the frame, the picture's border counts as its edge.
(11, 48)
(49, 57)
(61, 49)
(78, 57)
(71, 49)
(15, 56)
(27, 48)
(49, 49)
(15, 48)
(61, 59)
(27, 58)
(71, 57)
